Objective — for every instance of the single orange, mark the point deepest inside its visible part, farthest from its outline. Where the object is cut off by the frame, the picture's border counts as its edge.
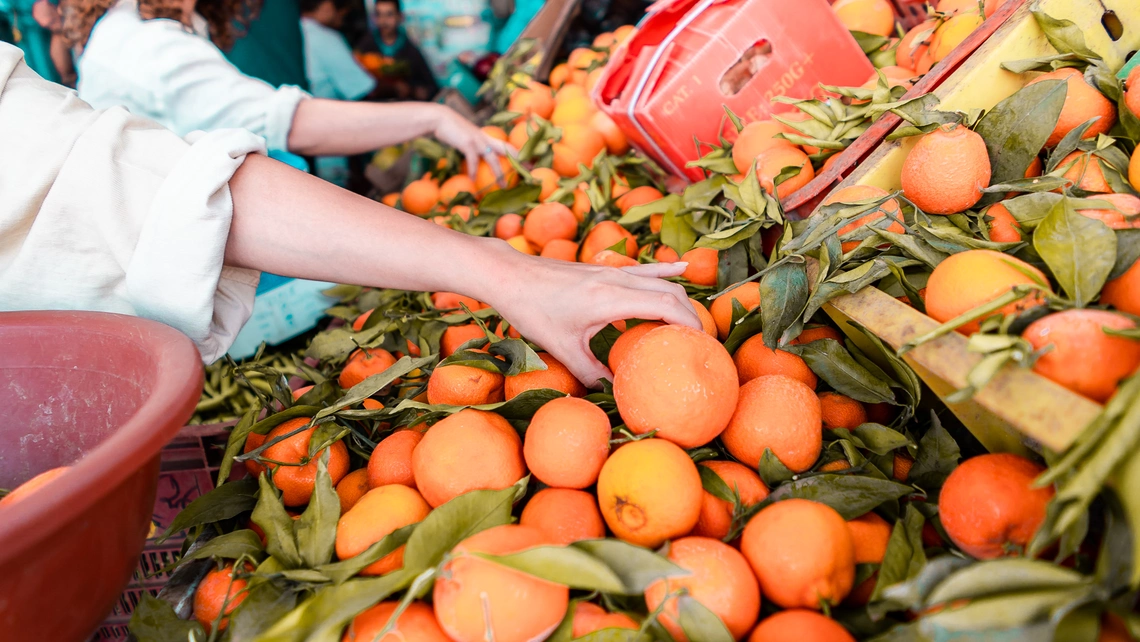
(626, 341)
(946, 170)
(391, 460)
(1123, 292)
(838, 411)
(800, 625)
(756, 137)
(456, 185)
(508, 226)
(548, 179)
(952, 33)
(456, 335)
(1004, 228)
(470, 450)
(420, 197)
(603, 236)
(564, 515)
(459, 385)
(567, 443)
(649, 492)
(708, 324)
(549, 221)
(778, 413)
(870, 533)
(970, 279)
(1082, 103)
(297, 481)
(747, 294)
(638, 196)
(416, 623)
(381, 511)
(555, 377)
(715, 520)
(616, 141)
(703, 263)
(591, 618)
(610, 258)
(869, 16)
(1080, 355)
(351, 488)
(364, 363)
(753, 360)
(218, 594)
(1084, 172)
(774, 160)
(536, 99)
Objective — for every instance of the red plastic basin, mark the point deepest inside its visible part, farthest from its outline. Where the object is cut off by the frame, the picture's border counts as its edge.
(103, 393)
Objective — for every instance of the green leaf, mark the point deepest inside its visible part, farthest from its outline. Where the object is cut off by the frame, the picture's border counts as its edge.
(699, 623)
(375, 383)
(1016, 129)
(614, 635)
(1031, 209)
(603, 341)
(904, 558)
(508, 201)
(565, 565)
(341, 571)
(1079, 251)
(848, 282)
(912, 593)
(1129, 496)
(772, 471)
(322, 617)
(636, 567)
(265, 602)
(880, 439)
(270, 516)
(850, 495)
(315, 529)
(1065, 35)
(455, 521)
(230, 546)
(869, 42)
(224, 502)
(671, 203)
(714, 485)
(1003, 576)
(677, 233)
(937, 457)
(153, 620)
(519, 355)
(783, 296)
(835, 365)
(1127, 252)
(235, 443)
(732, 266)
(339, 343)
(727, 238)
(1023, 616)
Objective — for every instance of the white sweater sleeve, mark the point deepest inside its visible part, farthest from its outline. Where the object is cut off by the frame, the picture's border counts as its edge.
(101, 210)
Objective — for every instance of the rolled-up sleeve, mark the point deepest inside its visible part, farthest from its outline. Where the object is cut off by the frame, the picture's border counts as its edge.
(102, 210)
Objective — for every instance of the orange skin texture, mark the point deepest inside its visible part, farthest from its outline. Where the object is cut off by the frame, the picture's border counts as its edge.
(656, 222)
(564, 515)
(567, 443)
(453, 301)
(391, 199)
(774, 160)
(721, 580)
(753, 360)
(1082, 102)
(476, 599)
(420, 197)
(571, 91)
(26, 489)
(508, 226)
(800, 625)
(555, 377)
(537, 99)
(610, 258)
(581, 206)
(1003, 227)
(458, 385)
(253, 441)
(817, 333)
(838, 411)
(391, 460)
(603, 236)
(627, 340)
(522, 245)
(748, 294)
(364, 363)
(972, 278)
(914, 44)
(649, 492)
(358, 322)
(802, 553)
(870, 534)
(1123, 217)
(297, 482)
(708, 323)
(989, 507)
(218, 588)
(575, 109)
(416, 623)
(470, 450)
(616, 141)
(591, 618)
(902, 465)
(946, 170)
(953, 32)
(548, 179)
(869, 16)
(780, 413)
(756, 137)
(455, 186)
(1132, 93)
(678, 381)
(1084, 170)
(703, 264)
(856, 193)
(1113, 629)
(1083, 358)
(1123, 292)
(550, 221)
(665, 254)
(559, 75)
(455, 336)
(561, 250)
(637, 196)
(715, 520)
(486, 181)
(381, 511)
(351, 488)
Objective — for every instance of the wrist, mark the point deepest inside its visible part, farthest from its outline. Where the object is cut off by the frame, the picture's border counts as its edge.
(482, 272)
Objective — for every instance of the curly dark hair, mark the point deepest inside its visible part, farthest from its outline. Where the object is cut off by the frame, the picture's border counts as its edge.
(228, 19)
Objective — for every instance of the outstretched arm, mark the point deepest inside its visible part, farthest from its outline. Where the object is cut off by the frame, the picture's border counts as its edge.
(556, 304)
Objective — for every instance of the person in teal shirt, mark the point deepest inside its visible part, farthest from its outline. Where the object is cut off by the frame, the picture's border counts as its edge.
(524, 12)
(28, 35)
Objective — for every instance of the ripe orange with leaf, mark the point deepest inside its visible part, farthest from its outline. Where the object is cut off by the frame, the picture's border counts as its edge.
(855, 193)
(565, 515)
(459, 385)
(417, 623)
(591, 618)
(753, 360)
(364, 363)
(715, 520)
(1081, 355)
(1082, 103)
(603, 236)
(800, 625)
(381, 511)
(946, 170)
(868, 16)
(778, 413)
(746, 294)
(973, 278)
(839, 411)
(1123, 292)
(297, 482)
(218, 594)
(549, 221)
(391, 460)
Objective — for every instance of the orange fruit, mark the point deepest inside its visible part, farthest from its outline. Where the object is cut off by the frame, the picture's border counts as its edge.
(944, 173)
(591, 618)
(470, 450)
(253, 441)
(574, 110)
(708, 324)
(555, 377)
(1081, 356)
(455, 301)
(417, 623)
(715, 520)
(838, 411)
(915, 43)
(458, 385)
(1082, 103)
(463, 212)
(548, 179)
(720, 580)
(381, 511)
(536, 99)
(1123, 292)
(856, 193)
(747, 294)
(522, 245)
(756, 137)
(665, 254)
(1114, 629)
(559, 75)
(817, 333)
(297, 482)
(519, 135)
(774, 160)
(508, 226)
(476, 599)
(1084, 171)
(560, 249)
(486, 181)
(869, 16)
(969, 279)
(603, 236)
(753, 360)
(567, 160)
(26, 489)
(580, 144)
(624, 32)
(351, 488)
(391, 460)
(989, 506)
(549, 221)
(835, 466)
(391, 199)
(616, 141)
(779, 413)
(581, 206)
(610, 258)
(364, 363)
(604, 40)
(626, 341)
(495, 132)
(1003, 227)
(649, 492)
(902, 465)
(583, 58)
(564, 515)
(703, 263)
(801, 552)
(571, 91)
(456, 185)
(1132, 93)
(619, 186)
(678, 381)
(1122, 216)
(567, 443)
(870, 534)
(799, 625)
(420, 197)
(953, 32)
(637, 196)
(218, 591)
(457, 335)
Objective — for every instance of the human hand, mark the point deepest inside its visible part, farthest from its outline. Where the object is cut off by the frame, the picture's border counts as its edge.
(47, 15)
(472, 142)
(560, 305)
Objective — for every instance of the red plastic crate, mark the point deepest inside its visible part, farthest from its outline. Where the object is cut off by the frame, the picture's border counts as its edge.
(664, 86)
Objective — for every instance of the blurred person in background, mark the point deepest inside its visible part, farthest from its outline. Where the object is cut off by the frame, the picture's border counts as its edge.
(332, 70)
(47, 15)
(516, 15)
(269, 45)
(163, 60)
(398, 62)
